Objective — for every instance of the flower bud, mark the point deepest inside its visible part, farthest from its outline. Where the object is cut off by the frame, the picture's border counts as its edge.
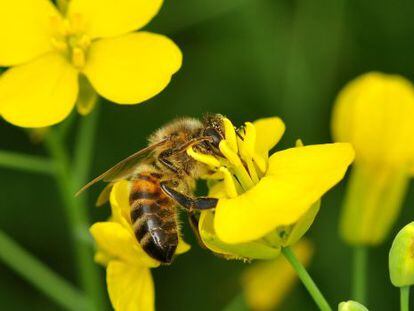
(351, 305)
(375, 113)
(401, 258)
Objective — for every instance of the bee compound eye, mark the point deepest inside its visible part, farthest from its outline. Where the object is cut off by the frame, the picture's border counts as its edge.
(215, 136)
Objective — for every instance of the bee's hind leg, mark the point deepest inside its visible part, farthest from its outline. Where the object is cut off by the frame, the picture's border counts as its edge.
(187, 202)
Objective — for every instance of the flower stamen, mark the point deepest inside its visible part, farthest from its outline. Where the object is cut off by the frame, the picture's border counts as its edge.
(229, 183)
(70, 39)
(237, 166)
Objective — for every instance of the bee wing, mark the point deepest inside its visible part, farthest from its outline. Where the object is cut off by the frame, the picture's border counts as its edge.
(125, 168)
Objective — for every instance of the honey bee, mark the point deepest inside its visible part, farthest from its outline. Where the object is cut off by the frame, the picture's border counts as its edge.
(162, 177)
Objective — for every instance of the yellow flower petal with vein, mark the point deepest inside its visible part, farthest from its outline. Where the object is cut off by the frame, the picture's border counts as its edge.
(132, 68)
(296, 178)
(109, 18)
(40, 93)
(25, 30)
(119, 243)
(130, 288)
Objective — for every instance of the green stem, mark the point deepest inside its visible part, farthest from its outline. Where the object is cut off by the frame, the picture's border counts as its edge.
(306, 280)
(81, 170)
(76, 212)
(66, 126)
(40, 275)
(359, 274)
(237, 304)
(26, 163)
(405, 298)
(84, 149)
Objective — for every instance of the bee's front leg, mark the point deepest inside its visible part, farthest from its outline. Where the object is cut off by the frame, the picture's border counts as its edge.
(190, 204)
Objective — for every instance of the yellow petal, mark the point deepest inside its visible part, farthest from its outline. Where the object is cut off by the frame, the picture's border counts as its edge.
(39, 93)
(130, 288)
(267, 283)
(132, 68)
(102, 258)
(182, 247)
(109, 18)
(375, 113)
(117, 242)
(119, 198)
(269, 131)
(251, 250)
(296, 179)
(25, 30)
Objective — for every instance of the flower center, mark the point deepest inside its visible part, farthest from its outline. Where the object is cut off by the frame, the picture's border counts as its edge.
(241, 166)
(70, 39)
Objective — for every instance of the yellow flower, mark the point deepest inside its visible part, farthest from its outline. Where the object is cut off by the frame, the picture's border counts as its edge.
(375, 113)
(128, 276)
(50, 50)
(267, 283)
(264, 200)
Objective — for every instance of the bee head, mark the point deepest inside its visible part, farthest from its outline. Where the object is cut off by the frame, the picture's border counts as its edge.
(213, 128)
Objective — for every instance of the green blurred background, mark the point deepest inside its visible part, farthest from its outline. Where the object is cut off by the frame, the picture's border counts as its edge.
(246, 59)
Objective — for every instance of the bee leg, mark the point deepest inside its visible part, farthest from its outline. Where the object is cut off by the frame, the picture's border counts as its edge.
(163, 159)
(187, 202)
(193, 221)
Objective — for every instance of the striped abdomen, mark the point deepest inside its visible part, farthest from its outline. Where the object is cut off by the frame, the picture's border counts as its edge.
(153, 216)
